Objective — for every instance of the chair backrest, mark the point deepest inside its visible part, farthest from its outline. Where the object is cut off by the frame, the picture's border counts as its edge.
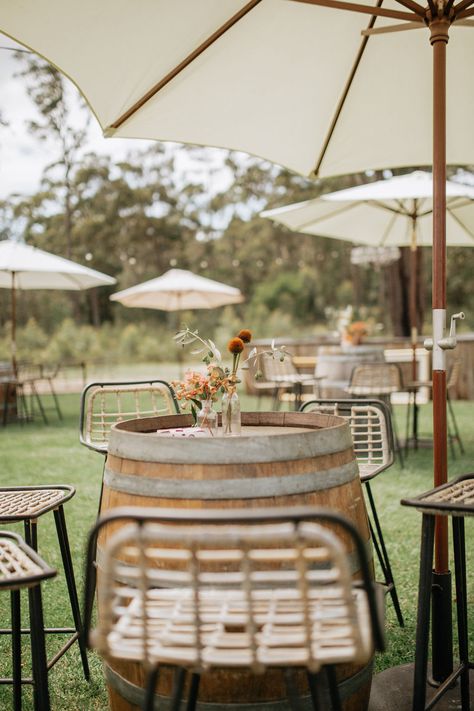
(105, 404)
(273, 367)
(371, 428)
(20, 565)
(279, 585)
(375, 379)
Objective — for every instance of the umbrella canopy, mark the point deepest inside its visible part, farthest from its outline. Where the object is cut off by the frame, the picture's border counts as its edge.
(384, 213)
(25, 267)
(293, 82)
(35, 269)
(177, 290)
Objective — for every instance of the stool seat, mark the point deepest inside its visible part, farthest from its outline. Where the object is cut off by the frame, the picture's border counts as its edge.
(20, 567)
(451, 499)
(22, 502)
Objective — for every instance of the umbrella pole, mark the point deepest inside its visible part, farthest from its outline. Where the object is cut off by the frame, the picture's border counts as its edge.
(413, 294)
(13, 326)
(442, 652)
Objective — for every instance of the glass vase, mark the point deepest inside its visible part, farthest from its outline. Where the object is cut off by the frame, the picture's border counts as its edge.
(206, 418)
(231, 424)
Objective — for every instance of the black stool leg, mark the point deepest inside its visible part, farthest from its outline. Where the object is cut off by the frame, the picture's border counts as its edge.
(193, 692)
(456, 435)
(38, 650)
(151, 683)
(379, 544)
(333, 689)
(314, 690)
(16, 648)
(423, 614)
(461, 604)
(291, 690)
(61, 529)
(178, 686)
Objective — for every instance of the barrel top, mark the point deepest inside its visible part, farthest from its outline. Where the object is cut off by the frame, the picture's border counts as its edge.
(266, 437)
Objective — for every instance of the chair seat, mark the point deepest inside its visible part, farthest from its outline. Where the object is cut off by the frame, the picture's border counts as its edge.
(19, 565)
(278, 614)
(19, 503)
(455, 498)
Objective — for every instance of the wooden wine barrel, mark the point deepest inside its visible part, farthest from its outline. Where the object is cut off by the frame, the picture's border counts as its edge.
(336, 363)
(281, 459)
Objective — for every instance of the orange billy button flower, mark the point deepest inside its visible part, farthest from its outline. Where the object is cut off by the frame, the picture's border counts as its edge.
(236, 345)
(245, 335)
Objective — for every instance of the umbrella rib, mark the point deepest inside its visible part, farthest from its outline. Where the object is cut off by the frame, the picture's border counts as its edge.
(182, 65)
(461, 6)
(329, 215)
(374, 10)
(344, 94)
(393, 28)
(465, 14)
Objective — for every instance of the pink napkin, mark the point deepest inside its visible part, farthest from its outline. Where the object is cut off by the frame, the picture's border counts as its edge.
(184, 432)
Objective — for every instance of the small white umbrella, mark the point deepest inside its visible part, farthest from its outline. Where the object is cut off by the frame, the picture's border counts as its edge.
(25, 267)
(177, 290)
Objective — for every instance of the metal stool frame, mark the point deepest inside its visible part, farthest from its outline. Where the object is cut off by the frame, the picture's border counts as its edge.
(29, 521)
(374, 453)
(30, 580)
(296, 515)
(446, 500)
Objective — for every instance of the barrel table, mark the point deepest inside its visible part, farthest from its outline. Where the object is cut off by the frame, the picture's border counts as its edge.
(281, 459)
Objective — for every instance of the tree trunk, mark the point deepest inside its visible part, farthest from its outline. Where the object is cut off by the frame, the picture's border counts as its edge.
(398, 277)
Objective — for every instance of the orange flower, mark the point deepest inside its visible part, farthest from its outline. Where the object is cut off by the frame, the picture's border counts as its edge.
(236, 345)
(245, 335)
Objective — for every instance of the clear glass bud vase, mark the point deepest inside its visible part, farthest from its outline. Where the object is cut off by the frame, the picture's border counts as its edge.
(206, 418)
(231, 424)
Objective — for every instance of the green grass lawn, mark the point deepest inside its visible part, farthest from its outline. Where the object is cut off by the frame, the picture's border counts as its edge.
(39, 454)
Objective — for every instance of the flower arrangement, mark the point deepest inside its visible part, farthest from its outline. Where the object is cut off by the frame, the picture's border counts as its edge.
(355, 332)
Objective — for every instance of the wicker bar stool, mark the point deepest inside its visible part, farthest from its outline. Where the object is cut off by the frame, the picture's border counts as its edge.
(258, 590)
(455, 499)
(27, 504)
(22, 568)
(372, 434)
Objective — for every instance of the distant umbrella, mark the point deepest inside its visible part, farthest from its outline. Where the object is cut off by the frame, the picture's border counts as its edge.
(25, 267)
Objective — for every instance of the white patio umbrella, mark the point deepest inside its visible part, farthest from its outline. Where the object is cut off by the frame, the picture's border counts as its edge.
(311, 84)
(25, 267)
(179, 290)
(394, 212)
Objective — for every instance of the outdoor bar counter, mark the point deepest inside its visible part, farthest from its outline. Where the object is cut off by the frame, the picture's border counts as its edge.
(280, 459)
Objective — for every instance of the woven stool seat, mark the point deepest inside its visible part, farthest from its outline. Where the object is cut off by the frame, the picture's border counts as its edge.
(23, 502)
(19, 567)
(455, 498)
(280, 615)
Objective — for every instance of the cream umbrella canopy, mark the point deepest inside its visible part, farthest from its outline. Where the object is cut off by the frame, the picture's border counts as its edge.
(394, 212)
(25, 267)
(321, 86)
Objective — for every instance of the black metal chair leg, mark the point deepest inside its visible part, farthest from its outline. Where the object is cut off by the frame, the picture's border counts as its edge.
(457, 436)
(178, 686)
(423, 615)
(61, 529)
(314, 690)
(379, 544)
(16, 648)
(461, 605)
(38, 651)
(193, 692)
(151, 682)
(55, 400)
(333, 689)
(291, 690)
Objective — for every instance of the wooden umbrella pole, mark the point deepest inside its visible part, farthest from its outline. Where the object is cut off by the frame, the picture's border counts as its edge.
(413, 293)
(442, 624)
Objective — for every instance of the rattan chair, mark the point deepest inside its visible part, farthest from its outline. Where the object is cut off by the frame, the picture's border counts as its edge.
(22, 569)
(27, 504)
(371, 428)
(287, 381)
(379, 381)
(455, 499)
(104, 404)
(242, 589)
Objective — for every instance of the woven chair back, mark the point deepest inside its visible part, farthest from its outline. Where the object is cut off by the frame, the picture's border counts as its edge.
(260, 595)
(375, 379)
(103, 405)
(371, 428)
